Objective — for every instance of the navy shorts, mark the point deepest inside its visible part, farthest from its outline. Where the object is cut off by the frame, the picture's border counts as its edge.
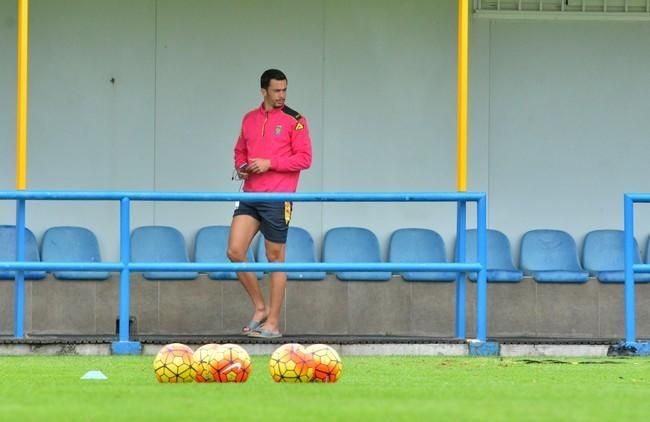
(274, 218)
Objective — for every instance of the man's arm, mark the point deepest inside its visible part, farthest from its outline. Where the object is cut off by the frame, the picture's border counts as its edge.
(241, 152)
(300, 159)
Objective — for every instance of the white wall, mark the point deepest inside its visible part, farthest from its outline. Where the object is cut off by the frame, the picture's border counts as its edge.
(389, 110)
(569, 124)
(558, 113)
(8, 11)
(209, 57)
(86, 133)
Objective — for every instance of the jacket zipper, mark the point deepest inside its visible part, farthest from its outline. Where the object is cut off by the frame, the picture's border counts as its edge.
(266, 117)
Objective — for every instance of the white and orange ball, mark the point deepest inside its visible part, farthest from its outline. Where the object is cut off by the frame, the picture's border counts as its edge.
(232, 363)
(173, 364)
(291, 363)
(328, 366)
(204, 365)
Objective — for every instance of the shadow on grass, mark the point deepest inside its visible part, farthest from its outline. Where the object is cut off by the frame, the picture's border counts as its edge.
(564, 362)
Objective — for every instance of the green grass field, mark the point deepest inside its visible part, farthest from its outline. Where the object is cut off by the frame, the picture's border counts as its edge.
(371, 388)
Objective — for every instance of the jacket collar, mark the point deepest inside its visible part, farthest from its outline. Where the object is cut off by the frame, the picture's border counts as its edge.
(275, 110)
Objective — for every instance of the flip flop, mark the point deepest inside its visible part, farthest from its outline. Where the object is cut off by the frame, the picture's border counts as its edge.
(252, 326)
(265, 334)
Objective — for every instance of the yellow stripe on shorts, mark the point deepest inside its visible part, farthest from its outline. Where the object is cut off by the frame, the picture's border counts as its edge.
(287, 212)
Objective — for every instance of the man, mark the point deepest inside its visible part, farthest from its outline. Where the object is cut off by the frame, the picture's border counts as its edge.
(272, 148)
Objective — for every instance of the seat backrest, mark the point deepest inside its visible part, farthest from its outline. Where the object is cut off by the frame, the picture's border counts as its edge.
(548, 250)
(416, 245)
(603, 250)
(158, 244)
(499, 254)
(211, 245)
(8, 244)
(70, 244)
(300, 247)
(350, 244)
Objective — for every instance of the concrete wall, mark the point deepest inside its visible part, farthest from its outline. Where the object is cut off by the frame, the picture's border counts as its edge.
(396, 307)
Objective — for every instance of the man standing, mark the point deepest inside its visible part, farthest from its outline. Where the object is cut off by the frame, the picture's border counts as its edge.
(272, 148)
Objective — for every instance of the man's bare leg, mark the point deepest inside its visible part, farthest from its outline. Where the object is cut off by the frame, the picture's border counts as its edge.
(275, 252)
(242, 231)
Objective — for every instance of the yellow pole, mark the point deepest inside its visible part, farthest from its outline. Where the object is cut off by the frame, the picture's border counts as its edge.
(21, 111)
(463, 17)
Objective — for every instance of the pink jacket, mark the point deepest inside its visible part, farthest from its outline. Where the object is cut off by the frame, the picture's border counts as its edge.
(280, 135)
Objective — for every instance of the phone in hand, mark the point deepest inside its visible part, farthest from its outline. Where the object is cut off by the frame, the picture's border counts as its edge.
(242, 172)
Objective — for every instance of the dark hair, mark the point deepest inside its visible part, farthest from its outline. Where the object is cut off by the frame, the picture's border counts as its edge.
(269, 74)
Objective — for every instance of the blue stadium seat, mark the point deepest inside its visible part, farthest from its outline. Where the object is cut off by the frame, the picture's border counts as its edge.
(419, 245)
(8, 252)
(500, 268)
(72, 244)
(353, 244)
(211, 245)
(603, 256)
(300, 248)
(551, 256)
(160, 244)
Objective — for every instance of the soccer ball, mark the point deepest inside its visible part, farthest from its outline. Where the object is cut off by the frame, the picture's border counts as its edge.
(327, 363)
(232, 363)
(173, 363)
(291, 363)
(204, 365)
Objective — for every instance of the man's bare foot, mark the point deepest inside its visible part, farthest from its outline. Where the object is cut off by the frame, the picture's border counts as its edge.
(269, 326)
(259, 317)
(260, 314)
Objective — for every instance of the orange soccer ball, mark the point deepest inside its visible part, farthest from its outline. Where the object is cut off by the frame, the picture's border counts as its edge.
(204, 365)
(232, 363)
(173, 364)
(327, 363)
(291, 363)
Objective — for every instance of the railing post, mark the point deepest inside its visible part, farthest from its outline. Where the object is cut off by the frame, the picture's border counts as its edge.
(628, 226)
(460, 277)
(125, 274)
(630, 347)
(19, 309)
(124, 346)
(481, 283)
(480, 346)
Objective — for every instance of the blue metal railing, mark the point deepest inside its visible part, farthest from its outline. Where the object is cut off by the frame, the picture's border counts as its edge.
(125, 267)
(629, 199)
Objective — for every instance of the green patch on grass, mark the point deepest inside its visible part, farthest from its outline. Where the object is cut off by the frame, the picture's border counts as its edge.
(371, 388)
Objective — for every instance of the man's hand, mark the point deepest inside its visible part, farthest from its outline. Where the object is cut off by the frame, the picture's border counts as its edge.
(242, 171)
(258, 165)
(242, 174)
